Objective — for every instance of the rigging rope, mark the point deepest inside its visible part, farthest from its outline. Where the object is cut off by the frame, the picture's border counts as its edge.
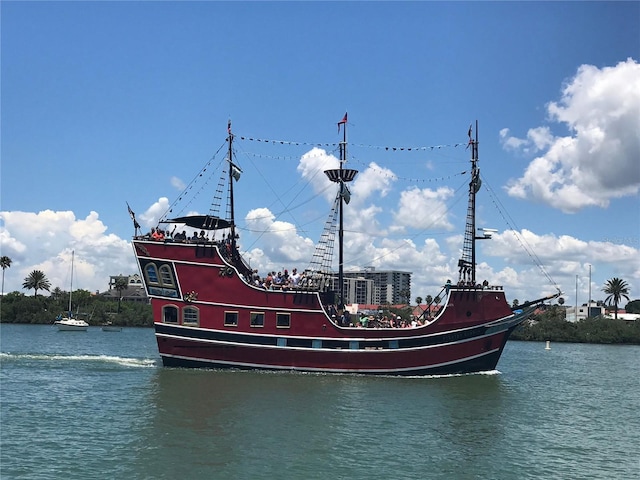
(514, 229)
(420, 232)
(192, 184)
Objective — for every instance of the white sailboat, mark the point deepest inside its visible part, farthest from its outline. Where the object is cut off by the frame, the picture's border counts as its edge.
(68, 323)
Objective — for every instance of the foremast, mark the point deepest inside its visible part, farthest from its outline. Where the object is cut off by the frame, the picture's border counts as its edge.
(234, 173)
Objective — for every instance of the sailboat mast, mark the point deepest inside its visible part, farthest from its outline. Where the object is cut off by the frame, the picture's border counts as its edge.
(71, 284)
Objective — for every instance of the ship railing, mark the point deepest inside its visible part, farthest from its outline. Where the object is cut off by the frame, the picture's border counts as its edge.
(477, 286)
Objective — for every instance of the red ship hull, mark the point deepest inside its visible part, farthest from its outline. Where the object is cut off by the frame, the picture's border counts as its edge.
(207, 315)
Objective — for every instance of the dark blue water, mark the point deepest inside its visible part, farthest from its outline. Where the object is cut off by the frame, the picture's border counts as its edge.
(78, 405)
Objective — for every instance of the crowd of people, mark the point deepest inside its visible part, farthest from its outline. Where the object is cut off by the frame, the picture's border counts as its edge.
(384, 321)
(364, 320)
(170, 236)
(278, 281)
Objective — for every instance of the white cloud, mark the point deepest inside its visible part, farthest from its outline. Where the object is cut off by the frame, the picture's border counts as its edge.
(312, 166)
(280, 244)
(537, 139)
(599, 160)
(153, 214)
(45, 240)
(424, 209)
(178, 184)
(563, 257)
(373, 182)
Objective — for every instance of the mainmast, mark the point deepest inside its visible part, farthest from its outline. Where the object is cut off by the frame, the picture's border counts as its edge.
(342, 176)
(467, 264)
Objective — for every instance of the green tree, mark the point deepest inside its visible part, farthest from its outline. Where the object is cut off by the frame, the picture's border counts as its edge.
(57, 293)
(36, 280)
(5, 262)
(121, 285)
(616, 289)
(418, 300)
(632, 307)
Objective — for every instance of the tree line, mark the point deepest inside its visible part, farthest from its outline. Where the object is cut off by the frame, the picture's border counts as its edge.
(551, 325)
(95, 309)
(15, 307)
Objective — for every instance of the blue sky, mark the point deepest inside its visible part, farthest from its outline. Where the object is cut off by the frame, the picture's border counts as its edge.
(111, 102)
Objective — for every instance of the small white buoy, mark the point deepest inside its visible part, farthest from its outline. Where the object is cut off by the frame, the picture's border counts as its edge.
(548, 347)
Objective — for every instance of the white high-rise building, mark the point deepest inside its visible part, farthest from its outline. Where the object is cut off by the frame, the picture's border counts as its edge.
(369, 286)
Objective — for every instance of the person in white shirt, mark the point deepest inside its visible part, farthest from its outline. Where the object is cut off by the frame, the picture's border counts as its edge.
(295, 277)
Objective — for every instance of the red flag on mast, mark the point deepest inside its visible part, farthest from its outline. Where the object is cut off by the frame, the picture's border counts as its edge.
(343, 121)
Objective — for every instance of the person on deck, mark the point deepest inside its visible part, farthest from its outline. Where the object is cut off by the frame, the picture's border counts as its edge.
(295, 277)
(157, 234)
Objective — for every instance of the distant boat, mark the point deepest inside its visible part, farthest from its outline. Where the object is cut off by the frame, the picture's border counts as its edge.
(110, 327)
(68, 323)
(209, 312)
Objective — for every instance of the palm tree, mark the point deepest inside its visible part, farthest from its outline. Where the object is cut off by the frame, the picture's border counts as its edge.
(617, 289)
(121, 284)
(57, 293)
(418, 300)
(38, 281)
(5, 262)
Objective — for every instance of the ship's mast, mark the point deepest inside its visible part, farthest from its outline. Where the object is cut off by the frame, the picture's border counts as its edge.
(232, 220)
(467, 264)
(342, 176)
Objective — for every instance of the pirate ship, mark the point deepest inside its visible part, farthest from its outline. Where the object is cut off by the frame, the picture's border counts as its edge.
(210, 312)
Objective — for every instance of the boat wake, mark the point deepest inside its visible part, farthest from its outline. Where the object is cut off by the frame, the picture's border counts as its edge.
(487, 373)
(450, 375)
(98, 359)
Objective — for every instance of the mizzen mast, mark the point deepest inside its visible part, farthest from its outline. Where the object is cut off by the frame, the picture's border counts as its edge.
(467, 264)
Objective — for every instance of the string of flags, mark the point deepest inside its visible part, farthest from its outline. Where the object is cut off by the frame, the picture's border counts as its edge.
(384, 173)
(381, 171)
(377, 147)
